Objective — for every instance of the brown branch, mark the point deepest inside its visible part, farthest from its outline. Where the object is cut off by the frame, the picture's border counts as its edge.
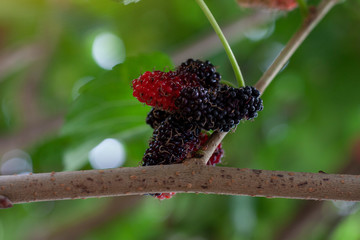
(182, 178)
(205, 152)
(313, 19)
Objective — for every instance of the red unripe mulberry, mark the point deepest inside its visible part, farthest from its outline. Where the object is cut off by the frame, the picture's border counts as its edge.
(159, 89)
(286, 5)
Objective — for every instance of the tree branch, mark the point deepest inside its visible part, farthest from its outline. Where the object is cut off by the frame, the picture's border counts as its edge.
(313, 19)
(181, 178)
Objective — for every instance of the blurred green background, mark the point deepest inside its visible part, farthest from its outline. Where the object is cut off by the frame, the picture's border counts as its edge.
(63, 108)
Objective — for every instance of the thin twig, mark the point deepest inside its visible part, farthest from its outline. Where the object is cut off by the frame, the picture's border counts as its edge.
(284, 56)
(279, 62)
(224, 42)
(207, 149)
(179, 178)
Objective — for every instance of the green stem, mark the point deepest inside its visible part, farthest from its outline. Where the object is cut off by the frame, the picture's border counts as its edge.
(228, 83)
(223, 40)
(303, 7)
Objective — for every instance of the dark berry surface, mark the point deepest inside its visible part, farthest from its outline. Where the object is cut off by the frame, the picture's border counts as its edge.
(202, 72)
(155, 117)
(172, 141)
(219, 109)
(194, 146)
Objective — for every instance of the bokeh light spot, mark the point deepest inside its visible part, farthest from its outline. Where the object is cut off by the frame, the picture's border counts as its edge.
(110, 153)
(108, 50)
(15, 162)
(257, 34)
(346, 207)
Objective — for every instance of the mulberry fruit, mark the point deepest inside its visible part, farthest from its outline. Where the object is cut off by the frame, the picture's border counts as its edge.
(202, 72)
(185, 102)
(219, 109)
(171, 143)
(286, 5)
(194, 146)
(159, 89)
(163, 196)
(155, 117)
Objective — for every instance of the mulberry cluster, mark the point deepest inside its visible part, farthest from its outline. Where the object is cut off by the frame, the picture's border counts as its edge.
(185, 102)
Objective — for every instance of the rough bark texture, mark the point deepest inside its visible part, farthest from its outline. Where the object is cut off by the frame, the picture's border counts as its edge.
(188, 178)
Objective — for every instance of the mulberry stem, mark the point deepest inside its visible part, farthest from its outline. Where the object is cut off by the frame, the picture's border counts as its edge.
(224, 42)
(303, 7)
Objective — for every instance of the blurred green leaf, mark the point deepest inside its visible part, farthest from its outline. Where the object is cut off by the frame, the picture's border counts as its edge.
(126, 2)
(106, 108)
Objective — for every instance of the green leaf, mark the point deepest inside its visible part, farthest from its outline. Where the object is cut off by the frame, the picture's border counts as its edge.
(126, 2)
(106, 108)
